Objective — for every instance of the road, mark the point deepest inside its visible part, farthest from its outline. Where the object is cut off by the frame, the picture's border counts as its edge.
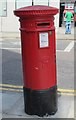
(12, 78)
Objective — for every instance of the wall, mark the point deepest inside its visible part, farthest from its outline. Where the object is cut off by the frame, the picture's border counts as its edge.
(0, 24)
(10, 22)
(55, 3)
(0, 14)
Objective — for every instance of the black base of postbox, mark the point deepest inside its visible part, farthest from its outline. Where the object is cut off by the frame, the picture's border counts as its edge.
(40, 102)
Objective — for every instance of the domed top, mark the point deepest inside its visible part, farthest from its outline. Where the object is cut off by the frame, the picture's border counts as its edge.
(35, 10)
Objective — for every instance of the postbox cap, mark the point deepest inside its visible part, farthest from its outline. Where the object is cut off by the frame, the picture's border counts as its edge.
(35, 10)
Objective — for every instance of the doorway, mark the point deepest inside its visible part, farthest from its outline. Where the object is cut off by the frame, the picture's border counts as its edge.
(62, 6)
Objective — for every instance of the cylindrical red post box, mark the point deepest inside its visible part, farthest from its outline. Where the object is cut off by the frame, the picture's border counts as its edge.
(39, 59)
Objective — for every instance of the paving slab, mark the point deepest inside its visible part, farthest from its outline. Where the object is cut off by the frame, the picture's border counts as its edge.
(9, 100)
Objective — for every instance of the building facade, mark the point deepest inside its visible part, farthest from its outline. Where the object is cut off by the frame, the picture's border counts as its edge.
(9, 23)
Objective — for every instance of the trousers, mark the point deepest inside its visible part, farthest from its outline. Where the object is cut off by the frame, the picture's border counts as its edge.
(68, 27)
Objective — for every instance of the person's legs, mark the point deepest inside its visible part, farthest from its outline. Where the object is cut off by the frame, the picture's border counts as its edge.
(69, 30)
(66, 28)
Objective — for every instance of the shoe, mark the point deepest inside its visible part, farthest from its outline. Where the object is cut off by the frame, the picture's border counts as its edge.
(66, 33)
(69, 33)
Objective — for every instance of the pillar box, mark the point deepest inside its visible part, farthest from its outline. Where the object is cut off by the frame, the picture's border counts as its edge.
(39, 59)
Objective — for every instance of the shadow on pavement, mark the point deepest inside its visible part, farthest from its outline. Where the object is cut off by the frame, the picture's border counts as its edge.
(11, 68)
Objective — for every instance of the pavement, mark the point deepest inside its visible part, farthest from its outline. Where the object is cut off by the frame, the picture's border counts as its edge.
(60, 34)
(11, 92)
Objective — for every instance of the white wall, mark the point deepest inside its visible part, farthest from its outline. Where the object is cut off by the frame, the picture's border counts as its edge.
(0, 14)
(10, 23)
(0, 24)
(55, 3)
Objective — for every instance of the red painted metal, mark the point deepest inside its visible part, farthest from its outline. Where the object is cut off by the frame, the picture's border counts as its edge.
(39, 63)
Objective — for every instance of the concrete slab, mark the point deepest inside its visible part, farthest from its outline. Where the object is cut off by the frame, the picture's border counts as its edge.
(9, 101)
(0, 102)
(10, 35)
(0, 116)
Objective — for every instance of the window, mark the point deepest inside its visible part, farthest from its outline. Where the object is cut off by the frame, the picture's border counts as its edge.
(3, 8)
(22, 3)
(41, 2)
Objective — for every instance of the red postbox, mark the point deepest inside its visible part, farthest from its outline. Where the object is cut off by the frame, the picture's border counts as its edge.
(39, 59)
